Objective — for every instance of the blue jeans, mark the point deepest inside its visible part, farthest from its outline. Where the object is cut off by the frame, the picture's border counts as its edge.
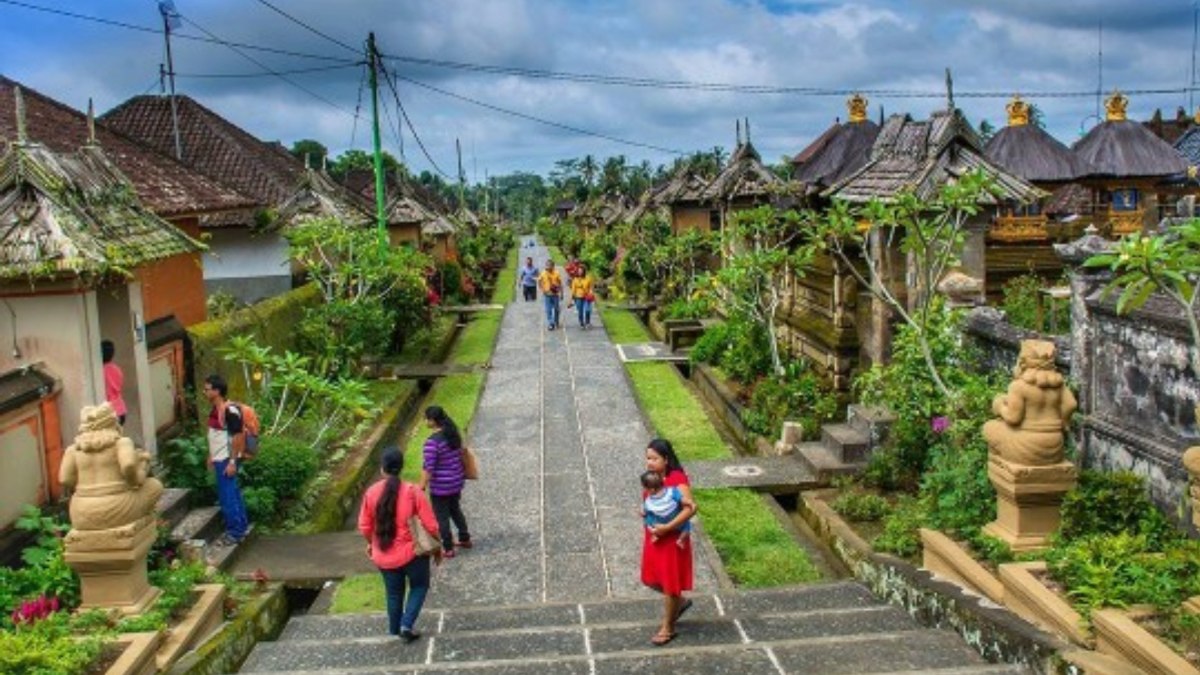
(417, 574)
(552, 303)
(584, 308)
(233, 509)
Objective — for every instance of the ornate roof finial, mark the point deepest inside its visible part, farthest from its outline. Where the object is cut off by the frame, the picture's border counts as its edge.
(857, 105)
(307, 161)
(949, 91)
(739, 132)
(1018, 111)
(1115, 105)
(91, 139)
(747, 131)
(324, 163)
(1196, 117)
(19, 101)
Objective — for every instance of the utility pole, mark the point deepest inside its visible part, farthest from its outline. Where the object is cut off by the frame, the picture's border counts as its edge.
(462, 177)
(171, 20)
(380, 192)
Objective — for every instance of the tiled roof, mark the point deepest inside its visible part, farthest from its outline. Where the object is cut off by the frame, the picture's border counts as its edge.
(75, 214)
(1188, 146)
(165, 186)
(923, 157)
(212, 145)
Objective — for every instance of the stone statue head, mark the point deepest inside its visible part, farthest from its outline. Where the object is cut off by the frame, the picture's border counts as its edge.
(1035, 365)
(98, 428)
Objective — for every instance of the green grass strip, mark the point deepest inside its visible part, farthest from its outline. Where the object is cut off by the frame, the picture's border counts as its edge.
(474, 344)
(675, 412)
(457, 395)
(755, 548)
(359, 594)
(623, 327)
(506, 281)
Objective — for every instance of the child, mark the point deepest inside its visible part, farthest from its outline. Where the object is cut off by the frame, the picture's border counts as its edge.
(661, 505)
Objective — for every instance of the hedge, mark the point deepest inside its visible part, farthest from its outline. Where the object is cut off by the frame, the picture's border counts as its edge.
(272, 322)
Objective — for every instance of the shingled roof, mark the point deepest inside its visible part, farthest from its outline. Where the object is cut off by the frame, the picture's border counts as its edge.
(686, 186)
(211, 144)
(924, 156)
(163, 185)
(1028, 151)
(318, 196)
(840, 151)
(1121, 148)
(744, 177)
(75, 214)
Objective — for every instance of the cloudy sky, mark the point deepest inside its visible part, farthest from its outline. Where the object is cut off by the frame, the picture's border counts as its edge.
(881, 45)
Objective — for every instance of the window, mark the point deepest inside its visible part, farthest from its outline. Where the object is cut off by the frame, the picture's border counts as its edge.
(714, 220)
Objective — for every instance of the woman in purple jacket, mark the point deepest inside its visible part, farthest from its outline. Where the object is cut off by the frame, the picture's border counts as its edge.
(443, 473)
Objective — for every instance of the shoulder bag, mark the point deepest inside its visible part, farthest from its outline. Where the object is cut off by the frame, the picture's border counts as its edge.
(470, 463)
(423, 542)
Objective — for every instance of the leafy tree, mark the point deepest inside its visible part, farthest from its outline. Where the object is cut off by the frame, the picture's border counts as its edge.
(309, 150)
(360, 160)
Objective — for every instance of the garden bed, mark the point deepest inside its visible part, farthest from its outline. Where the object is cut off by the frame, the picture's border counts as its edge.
(1121, 633)
(260, 619)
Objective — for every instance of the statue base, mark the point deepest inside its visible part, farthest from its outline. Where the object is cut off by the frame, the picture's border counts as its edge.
(1029, 499)
(111, 565)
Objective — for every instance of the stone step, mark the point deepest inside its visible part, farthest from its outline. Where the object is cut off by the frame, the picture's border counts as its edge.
(847, 443)
(626, 651)
(223, 557)
(200, 523)
(824, 463)
(173, 505)
(873, 421)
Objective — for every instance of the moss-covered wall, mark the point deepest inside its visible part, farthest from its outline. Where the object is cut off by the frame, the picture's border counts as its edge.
(260, 619)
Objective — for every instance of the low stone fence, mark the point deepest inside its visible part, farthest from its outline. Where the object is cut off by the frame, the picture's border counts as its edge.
(998, 342)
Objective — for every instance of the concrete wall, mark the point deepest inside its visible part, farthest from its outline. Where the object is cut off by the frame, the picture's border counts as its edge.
(250, 266)
(175, 286)
(23, 474)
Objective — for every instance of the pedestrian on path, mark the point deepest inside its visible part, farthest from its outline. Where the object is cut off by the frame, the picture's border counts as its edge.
(445, 475)
(387, 508)
(528, 277)
(552, 291)
(666, 557)
(582, 295)
(225, 447)
(114, 380)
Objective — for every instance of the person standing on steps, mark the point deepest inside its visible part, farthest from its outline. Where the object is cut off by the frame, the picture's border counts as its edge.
(552, 290)
(225, 446)
(387, 507)
(114, 380)
(444, 474)
(582, 294)
(528, 278)
(666, 557)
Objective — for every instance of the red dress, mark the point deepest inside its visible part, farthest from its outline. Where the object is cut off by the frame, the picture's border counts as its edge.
(667, 566)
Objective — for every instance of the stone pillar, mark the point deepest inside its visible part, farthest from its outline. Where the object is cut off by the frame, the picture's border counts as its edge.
(1028, 501)
(111, 565)
(1085, 282)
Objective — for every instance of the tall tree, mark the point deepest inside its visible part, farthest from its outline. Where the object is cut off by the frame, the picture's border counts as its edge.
(309, 150)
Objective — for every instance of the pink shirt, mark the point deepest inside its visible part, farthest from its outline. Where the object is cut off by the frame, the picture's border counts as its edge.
(401, 551)
(114, 381)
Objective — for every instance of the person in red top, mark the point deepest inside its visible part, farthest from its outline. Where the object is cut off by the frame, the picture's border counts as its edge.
(383, 520)
(114, 380)
(666, 558)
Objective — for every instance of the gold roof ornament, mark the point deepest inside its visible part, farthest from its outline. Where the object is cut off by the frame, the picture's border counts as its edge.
(1018, 112)
(1115, 106)
(1196, 117)
(857, 107)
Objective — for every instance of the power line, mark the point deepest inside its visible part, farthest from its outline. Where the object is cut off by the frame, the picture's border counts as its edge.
(541, 120)
(295, 71)
(358, 105)
(309, 28)
(388, 77)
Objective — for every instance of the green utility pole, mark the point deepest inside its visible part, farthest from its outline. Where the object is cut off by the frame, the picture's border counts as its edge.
(380, 190)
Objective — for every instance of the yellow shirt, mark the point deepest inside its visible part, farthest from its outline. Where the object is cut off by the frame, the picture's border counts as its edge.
(550, 281)
(581, 287)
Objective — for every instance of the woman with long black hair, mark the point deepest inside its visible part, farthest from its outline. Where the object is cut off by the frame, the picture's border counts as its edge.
(666, 556)
(445, 475)
(383, 519)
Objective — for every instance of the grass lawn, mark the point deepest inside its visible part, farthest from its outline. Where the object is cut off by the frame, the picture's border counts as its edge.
(358, 594)
(675, 412)
(756, 550)
(623, 327)
(474, 344)
(506, 281)
(456, 394)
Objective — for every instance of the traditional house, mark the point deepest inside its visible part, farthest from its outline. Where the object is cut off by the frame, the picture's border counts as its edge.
(1170, 130)
(1126, 166)
(684, 198)
(75, 237)
(744, 183)
(838, 152)
(563, 209)
(602, 213)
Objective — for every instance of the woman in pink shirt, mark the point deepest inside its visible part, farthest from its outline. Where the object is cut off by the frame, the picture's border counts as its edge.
(383, 520)
(114, 380)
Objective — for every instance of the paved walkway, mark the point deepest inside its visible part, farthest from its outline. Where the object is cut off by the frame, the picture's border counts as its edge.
(561, 443)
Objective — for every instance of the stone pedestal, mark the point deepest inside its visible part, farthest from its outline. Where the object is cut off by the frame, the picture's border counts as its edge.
(111, 565)
(1029, 499)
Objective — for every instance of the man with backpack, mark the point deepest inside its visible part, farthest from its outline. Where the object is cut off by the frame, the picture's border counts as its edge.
(226, 448)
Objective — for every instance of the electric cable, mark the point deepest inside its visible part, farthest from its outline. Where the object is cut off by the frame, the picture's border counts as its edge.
(295, 71)
(408, 122)
(309, 28)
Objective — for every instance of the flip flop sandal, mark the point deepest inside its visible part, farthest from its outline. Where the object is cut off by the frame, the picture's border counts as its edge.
(661, 639)
(687, 604)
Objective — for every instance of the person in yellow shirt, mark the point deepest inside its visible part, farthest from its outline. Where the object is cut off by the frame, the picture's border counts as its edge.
(551, 283)
(583, 296)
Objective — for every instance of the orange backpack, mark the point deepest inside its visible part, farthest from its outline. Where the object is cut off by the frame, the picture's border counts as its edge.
(250, 429)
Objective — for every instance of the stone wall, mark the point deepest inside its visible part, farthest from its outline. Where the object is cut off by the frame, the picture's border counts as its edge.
(998, 342)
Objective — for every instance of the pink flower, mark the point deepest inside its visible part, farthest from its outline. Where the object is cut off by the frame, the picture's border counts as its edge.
(940, 424)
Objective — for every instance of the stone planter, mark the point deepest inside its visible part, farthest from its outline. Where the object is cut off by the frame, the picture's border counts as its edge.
(204, 617)
(947, 559)
(1032, 600)
(137, 655)
(1119, 635)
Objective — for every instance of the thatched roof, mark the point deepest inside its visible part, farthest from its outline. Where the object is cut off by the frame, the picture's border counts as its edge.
(686, 186)
(745, 176)
(318, 196)
(924, 156)
(1121, 148)
(843, 149)
(1029, 152)
(75, 215)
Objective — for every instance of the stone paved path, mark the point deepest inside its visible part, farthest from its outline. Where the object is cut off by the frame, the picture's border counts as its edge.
(561, 442)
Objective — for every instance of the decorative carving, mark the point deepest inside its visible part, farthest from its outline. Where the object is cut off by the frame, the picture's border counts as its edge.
(1018, 112)
(1191, 462)
(1115, 106)
(856, 105)
(961, 290)
(1019, 228)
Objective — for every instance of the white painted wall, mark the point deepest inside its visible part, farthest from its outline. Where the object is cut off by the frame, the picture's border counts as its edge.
(22, 471)
(234, 253)
(122, 320)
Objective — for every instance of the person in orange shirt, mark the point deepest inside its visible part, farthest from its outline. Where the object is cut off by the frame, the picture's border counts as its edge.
(551, 284)
(582, 295)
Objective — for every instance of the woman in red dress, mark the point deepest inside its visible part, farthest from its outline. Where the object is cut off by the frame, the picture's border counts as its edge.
(666, 559)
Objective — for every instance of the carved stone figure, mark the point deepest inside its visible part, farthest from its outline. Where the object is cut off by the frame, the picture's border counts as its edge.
(1191, 462)
(109, 475)
(112, 513)
(1034, 412)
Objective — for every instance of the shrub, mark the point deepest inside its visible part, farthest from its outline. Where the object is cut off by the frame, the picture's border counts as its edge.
(47, 648)
(282, 467)
(860, 506)
(1118, 570)
(185, 461)
(45, 573)
(688, 308)
(1021, 298)
(740, 348)
(261, 503)
(1114, 503)
(799, 395)
(900, 527)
